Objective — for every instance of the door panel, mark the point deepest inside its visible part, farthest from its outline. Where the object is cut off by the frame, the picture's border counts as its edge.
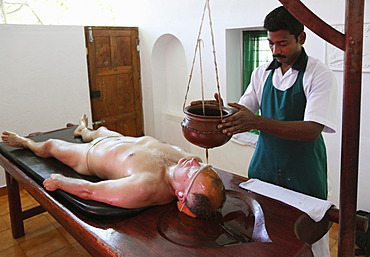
(114, 76)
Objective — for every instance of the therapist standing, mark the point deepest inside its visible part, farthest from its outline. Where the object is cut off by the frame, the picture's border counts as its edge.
(296, 94)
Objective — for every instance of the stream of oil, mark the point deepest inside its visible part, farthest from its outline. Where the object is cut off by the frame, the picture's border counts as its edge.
(207, 156)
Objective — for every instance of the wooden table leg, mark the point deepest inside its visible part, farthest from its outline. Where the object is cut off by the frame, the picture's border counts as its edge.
(15, 206)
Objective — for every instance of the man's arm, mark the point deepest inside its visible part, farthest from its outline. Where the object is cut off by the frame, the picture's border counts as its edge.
(245, 120)
(129, 192)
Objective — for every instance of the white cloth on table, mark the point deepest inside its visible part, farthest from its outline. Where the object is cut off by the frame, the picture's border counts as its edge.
(321, 247)
(312, 206)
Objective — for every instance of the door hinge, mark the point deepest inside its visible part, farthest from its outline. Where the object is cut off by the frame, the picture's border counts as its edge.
(91, 38)
(137, 44)
(94, 94)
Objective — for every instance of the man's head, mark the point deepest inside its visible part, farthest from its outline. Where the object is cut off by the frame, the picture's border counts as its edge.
(285, 35)
(203, 192)
(281, 19)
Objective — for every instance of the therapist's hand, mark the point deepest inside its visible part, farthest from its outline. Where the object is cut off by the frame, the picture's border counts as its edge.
(242, 121)
(217, 101)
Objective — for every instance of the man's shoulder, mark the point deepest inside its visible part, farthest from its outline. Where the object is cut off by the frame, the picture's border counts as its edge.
(263, 66)
(314, 64)
(261, 70)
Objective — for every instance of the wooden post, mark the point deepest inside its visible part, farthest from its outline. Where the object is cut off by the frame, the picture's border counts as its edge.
(351, 42)
(15, 208)
(350, 126)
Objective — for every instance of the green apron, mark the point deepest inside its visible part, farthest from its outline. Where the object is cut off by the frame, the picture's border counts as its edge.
(297, 165)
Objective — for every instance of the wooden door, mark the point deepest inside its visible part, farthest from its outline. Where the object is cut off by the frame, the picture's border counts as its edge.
(114, 79)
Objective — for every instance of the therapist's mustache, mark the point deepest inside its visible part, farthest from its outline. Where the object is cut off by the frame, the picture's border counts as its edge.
(278, 56)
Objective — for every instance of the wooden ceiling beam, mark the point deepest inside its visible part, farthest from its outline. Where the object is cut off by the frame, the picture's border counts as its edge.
(314, 23)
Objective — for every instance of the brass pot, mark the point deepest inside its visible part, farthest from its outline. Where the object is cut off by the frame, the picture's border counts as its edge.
(201, 128)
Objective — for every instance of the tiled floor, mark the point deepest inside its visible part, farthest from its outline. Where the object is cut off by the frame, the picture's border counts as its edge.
(333, 240)
(45, 237)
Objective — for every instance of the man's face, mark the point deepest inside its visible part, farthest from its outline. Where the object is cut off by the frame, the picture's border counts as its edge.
(285, 47)
(186, 169)
(196, 178)
(185, 173)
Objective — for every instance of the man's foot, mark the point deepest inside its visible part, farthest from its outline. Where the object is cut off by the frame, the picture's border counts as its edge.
(13, 139)
(82, 125)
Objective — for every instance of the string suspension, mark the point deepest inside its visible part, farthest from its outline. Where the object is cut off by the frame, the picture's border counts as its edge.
(198, 48)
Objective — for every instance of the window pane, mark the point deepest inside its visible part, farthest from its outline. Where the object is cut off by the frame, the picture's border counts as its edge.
(256, 51)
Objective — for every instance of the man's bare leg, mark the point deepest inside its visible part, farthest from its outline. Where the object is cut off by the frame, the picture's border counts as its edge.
(14, 140)
(71, 154)
(89, 135)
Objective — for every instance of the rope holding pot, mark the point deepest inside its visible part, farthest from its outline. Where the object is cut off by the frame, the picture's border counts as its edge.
(198, 48)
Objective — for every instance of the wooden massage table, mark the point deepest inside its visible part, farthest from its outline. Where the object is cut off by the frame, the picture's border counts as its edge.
(104, 230)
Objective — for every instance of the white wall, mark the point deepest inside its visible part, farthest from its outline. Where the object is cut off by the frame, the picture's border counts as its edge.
(168, 30)
(43, 78)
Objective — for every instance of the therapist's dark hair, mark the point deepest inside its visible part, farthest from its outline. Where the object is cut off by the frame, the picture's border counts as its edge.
(281, 19)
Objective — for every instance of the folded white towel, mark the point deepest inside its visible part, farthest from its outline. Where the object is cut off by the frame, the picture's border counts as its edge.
(245, 138)
(314, 207)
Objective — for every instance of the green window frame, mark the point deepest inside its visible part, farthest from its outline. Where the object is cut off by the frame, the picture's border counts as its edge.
(255, 52)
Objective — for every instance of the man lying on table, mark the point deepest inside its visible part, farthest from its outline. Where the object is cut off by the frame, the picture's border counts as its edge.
(139, 172)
